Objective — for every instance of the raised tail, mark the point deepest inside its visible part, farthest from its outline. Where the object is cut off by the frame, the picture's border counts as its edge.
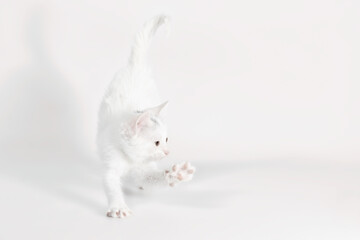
(143, 39)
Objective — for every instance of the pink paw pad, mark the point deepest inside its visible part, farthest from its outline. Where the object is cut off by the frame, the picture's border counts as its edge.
(179, 173)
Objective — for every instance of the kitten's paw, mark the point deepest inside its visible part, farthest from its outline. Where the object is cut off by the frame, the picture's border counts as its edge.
(119, 212)
(179, 173)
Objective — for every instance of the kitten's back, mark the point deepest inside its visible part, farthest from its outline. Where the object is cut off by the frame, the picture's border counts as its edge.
(133, 88)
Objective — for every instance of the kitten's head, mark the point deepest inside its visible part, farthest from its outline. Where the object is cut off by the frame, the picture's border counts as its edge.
(149, 137)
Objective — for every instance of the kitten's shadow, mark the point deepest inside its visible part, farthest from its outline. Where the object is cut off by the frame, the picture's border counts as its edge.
(40, 140)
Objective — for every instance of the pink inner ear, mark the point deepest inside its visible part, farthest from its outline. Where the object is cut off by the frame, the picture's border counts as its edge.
(141, 121)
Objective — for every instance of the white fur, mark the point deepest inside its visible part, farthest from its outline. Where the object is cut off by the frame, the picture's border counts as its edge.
(129, 126)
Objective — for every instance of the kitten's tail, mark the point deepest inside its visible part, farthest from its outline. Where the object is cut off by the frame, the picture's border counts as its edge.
(143, 39)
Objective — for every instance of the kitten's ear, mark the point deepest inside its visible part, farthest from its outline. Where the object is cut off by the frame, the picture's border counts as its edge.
(145, 118)
(142, 121)
(156, 110)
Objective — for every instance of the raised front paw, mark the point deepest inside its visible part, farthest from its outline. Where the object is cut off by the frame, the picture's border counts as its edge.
(179, 173)
(119, 212)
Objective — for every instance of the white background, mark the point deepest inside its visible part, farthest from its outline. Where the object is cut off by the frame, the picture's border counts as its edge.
(264, 100)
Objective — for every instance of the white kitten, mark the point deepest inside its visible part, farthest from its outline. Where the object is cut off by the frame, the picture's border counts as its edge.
(131, 134)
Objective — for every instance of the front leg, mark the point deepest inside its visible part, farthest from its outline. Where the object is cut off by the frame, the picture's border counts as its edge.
(117, 206)
(148, 176)
(152, 176)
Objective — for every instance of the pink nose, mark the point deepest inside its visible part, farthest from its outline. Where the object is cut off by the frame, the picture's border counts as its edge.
(166, 152)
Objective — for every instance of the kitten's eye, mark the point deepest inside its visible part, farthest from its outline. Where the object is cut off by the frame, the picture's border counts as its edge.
(157, 143)
(167, 139)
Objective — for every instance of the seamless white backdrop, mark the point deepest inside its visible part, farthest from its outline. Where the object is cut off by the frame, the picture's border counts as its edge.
(253, 79)
(249, 82)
